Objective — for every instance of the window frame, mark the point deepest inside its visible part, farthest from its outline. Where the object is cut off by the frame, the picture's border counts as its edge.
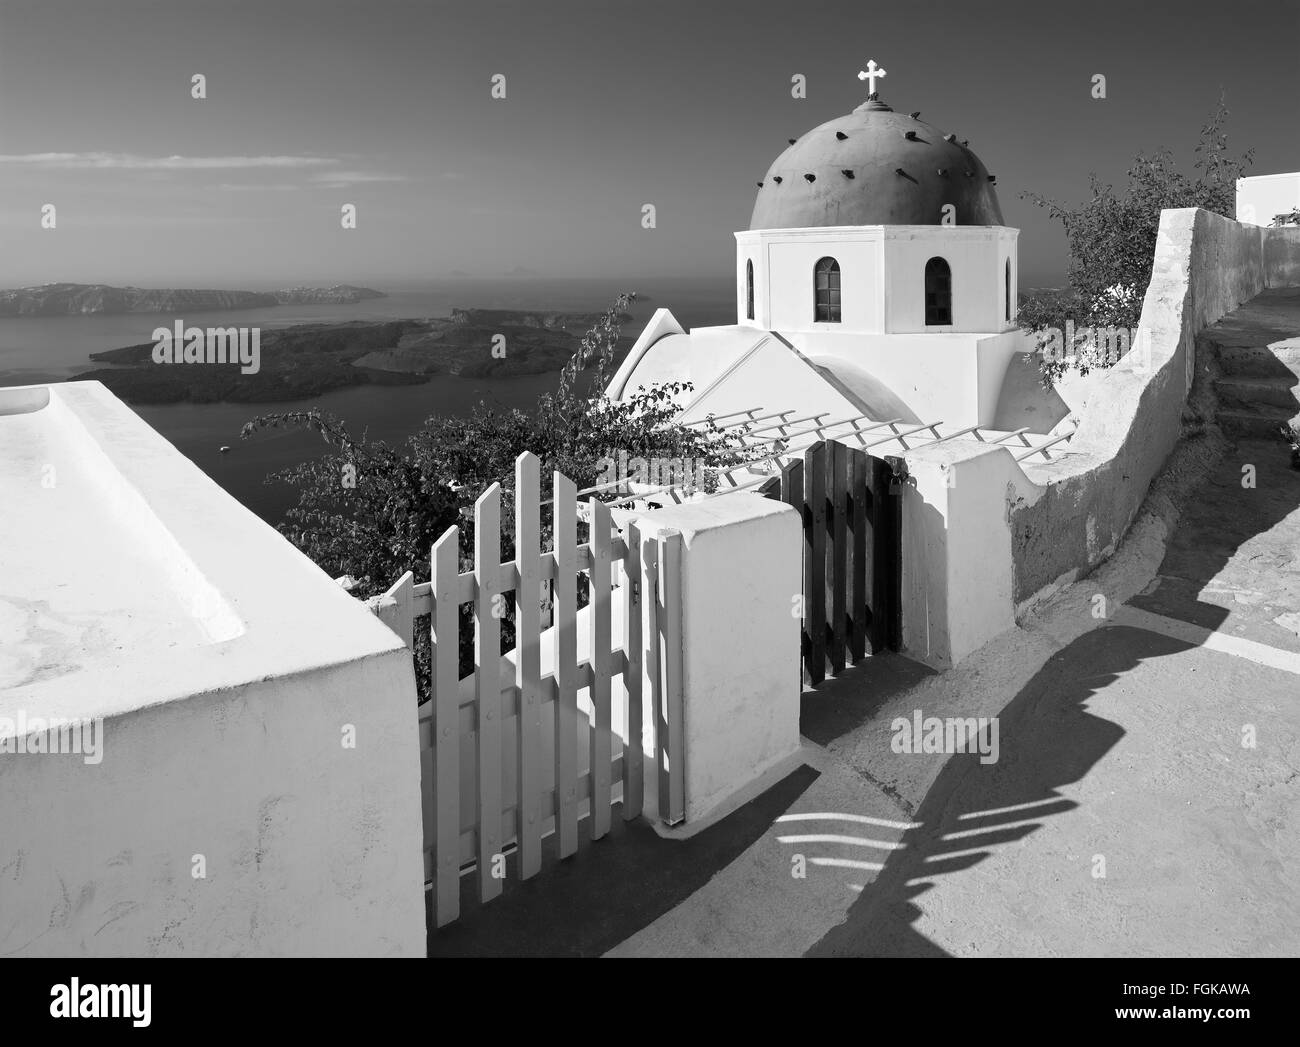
(833, 305)
(938, 308)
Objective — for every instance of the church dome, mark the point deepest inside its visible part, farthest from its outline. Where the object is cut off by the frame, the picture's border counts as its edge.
(875, 167)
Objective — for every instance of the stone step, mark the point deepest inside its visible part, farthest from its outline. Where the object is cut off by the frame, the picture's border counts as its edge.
(1261, 361)
(1249, 393)
(1262, 423)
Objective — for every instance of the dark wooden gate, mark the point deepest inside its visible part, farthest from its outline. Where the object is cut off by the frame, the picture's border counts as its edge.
(852, 567)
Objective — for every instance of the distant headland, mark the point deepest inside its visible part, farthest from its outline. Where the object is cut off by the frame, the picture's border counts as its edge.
(306, 360)
(102, 299)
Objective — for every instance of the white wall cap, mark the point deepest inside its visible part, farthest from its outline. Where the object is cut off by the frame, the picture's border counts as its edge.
(266, 609)
(712, 514)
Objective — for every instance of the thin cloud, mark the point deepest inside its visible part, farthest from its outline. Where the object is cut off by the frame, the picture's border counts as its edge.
(343, 179)
(135, 162)
(272, 187)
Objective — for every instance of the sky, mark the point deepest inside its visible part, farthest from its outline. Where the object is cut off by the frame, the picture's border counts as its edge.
(610, 105)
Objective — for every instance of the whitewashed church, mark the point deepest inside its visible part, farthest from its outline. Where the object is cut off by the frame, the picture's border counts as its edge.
(876, 278)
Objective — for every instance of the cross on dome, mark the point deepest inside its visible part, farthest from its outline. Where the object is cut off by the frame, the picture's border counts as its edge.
(871, 73)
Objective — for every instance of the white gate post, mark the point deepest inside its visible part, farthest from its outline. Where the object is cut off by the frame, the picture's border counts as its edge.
(737, 587)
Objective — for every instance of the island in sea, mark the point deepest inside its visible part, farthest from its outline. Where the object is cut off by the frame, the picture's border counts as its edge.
(306, 360)
(102, 299)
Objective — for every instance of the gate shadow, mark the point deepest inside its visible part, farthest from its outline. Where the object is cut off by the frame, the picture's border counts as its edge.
(1048, 740)
(845, 701)
(612, 888)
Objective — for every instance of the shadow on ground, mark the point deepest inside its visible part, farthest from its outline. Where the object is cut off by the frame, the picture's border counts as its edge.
(1048, 740)
(1205, 578)
(609, 890)
(843, 702)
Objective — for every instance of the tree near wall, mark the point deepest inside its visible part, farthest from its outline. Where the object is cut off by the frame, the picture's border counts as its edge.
(1111, 238)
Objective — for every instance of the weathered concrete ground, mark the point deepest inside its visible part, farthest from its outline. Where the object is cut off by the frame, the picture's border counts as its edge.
(1146, 798)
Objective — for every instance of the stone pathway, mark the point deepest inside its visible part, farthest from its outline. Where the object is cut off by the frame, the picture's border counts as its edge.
(1258, 355)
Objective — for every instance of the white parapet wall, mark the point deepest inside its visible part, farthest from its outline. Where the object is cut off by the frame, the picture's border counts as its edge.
(1077, 509)
(985, 538)
(256, 785)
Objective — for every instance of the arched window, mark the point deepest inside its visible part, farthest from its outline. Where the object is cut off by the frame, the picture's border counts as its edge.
(827, 291)
(1008, 290)
(749, 289)
(938, 293)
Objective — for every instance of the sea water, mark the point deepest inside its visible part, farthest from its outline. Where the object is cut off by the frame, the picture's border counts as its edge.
(35, 350)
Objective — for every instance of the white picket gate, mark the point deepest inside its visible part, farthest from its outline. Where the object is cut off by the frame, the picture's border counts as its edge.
(502, 759)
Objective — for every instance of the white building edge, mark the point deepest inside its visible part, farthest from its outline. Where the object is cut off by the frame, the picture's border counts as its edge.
(1261, 198)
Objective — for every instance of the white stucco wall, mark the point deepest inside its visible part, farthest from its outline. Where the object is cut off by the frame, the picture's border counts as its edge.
(882, 273)
(1261, 197)
(994, 356)
(223, 726)
(951, 378)
(310, 849)
(785, 262)
(975, 256)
